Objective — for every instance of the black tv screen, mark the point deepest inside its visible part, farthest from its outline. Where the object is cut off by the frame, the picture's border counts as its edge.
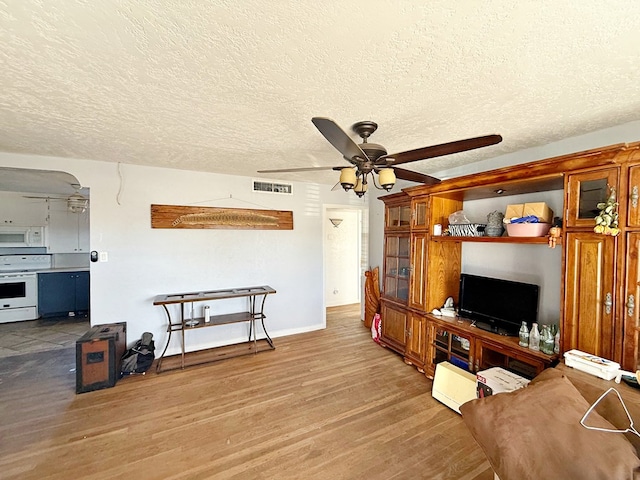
(497, 305)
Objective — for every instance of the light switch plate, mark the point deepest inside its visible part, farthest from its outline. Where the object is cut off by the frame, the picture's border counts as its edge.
(104, 257)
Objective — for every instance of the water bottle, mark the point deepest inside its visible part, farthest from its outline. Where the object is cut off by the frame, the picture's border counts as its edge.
(534, 337)
(556, 343)
(546, 340)
(524, 335)
(207, 315)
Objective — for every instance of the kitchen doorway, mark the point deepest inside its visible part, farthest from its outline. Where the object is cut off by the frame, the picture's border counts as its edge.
(54, 203)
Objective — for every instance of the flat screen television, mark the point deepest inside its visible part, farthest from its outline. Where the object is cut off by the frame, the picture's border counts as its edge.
(497, 305)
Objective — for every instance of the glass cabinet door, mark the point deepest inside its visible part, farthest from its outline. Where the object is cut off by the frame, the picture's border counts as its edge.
(398, 216)
(419, 206)
(397, 267)
(453, 348)
(585, 191)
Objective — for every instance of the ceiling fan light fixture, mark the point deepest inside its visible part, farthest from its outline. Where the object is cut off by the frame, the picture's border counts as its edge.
(348, 178)
(387, 178)
(360, 188)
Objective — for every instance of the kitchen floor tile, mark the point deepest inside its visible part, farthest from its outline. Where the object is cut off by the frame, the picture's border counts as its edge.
(18, 338)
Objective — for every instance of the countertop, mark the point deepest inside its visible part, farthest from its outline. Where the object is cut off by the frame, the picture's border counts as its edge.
(63, 270)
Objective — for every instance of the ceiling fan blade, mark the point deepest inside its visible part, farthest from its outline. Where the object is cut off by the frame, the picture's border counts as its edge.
(415, 176)
(440, 150)
(338, 138)
(303, 169)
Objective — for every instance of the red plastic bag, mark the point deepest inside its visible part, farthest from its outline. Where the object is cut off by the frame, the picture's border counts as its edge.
(376, 328)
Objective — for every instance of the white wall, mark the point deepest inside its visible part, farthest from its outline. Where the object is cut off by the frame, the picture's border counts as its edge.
(144, 262)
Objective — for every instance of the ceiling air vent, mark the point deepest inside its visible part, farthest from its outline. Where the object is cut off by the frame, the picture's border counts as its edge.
(271, 187)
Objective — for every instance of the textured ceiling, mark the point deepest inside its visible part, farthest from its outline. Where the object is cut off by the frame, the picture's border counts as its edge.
(231, 86)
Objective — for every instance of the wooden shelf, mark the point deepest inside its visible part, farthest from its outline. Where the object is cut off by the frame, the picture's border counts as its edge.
(216, 320)
(520, 240)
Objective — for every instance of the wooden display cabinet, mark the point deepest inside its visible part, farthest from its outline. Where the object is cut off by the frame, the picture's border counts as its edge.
(468, 347)
(394, 326)
(633, 199)
(600, 279)
(397, 267)
(509, 355)
(419, 270)
(584, 191)
(630, 312)
(397, 212)
(590, 295)
(416, 344)
(420, 213)
(448, 342)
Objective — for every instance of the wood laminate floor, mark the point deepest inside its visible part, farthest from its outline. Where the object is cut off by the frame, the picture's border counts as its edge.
(329, 404)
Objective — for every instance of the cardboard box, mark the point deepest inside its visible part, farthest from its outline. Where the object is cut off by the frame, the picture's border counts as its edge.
(514, 211)
(498, 380)
(540, 210)
(453, 386)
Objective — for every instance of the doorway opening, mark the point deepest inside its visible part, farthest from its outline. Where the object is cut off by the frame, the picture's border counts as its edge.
(54, 203)
(346, 254)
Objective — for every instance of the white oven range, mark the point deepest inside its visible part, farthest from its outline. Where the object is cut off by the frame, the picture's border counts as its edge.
(19, 286)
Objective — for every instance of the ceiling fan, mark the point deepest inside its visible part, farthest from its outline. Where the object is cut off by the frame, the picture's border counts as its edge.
(371, 158)
(76, 202)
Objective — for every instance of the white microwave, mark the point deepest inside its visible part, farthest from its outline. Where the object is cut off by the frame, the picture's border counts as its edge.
(12, 236)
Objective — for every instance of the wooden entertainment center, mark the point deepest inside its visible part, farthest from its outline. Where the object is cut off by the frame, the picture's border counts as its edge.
(600, 273)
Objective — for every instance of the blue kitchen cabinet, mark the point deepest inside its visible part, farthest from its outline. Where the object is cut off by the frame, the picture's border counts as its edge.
(60, 293)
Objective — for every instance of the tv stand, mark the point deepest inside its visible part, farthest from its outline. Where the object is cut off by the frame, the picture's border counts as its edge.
(462, 343)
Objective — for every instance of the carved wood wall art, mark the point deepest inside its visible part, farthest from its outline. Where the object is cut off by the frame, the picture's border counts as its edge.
(176, 216)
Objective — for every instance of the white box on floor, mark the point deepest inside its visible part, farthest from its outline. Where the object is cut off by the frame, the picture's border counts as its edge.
(592, 364)
(497, 380)
(453, 386)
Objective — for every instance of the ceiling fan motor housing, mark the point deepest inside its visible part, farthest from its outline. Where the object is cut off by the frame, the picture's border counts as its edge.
(373, 150)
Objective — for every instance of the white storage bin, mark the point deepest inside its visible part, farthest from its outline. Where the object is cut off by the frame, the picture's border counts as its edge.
(592, 364)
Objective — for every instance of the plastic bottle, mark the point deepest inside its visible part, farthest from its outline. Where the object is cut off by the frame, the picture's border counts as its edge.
(546, 340)
(534, 337)
(524, 335)
(207, 314)
(556, 343)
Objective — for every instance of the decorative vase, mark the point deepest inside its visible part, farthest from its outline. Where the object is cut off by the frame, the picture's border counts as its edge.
(494, 226)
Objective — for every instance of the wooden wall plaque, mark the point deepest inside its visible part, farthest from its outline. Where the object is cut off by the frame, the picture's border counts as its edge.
(176, 216)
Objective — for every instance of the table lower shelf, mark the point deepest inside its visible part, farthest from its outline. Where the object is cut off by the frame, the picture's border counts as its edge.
(209, 355)
(214, 320)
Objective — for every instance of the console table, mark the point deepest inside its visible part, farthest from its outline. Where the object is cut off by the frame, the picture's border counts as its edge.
(256, 297)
